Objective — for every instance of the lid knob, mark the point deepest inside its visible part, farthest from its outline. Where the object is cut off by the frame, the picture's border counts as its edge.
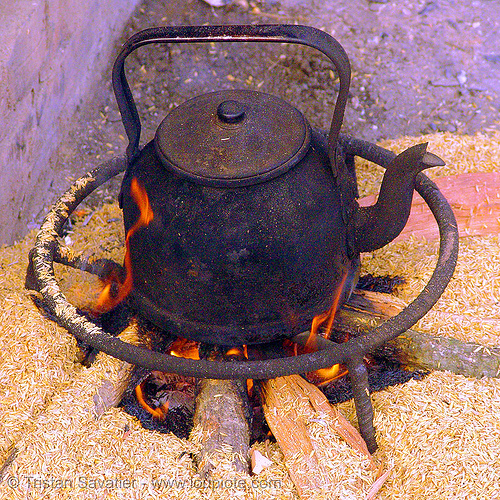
(231, 111)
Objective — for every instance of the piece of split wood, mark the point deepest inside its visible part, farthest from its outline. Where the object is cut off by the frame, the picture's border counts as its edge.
(289, 404)
(259, 462)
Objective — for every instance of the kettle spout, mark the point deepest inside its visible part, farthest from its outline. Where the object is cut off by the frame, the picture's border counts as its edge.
(375, 226)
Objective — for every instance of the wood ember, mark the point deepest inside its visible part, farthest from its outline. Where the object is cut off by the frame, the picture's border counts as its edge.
(172, 391)
(167, 401)
(382, 284)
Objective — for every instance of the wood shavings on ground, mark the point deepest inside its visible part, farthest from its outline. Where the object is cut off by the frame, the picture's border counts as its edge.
(444, 437)
(441, 435)
(37, 360)
(462, 154)
(469, 309)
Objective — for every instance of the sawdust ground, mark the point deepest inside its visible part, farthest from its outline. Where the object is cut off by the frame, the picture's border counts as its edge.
(440, 435)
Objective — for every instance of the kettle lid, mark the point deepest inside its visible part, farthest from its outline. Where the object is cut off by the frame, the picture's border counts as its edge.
(232, 138)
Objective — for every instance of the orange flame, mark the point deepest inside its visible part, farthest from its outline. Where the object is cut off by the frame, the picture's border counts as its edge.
(324, 316)
(183, 348)
(158, 413)
(242, 353)
(325, 375)
(235, 351)
(114, 291)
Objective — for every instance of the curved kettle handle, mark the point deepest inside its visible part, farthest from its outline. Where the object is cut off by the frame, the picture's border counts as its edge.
(303, 35)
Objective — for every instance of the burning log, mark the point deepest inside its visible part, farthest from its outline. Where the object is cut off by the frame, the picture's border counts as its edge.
(221, 424)
(414, 349)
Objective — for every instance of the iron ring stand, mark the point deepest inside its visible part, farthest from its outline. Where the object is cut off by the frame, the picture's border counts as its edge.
(350, 353)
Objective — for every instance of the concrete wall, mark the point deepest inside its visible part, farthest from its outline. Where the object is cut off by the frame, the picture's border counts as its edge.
(51, 51)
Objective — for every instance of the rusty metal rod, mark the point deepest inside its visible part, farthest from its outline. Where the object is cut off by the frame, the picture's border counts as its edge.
(91, 334)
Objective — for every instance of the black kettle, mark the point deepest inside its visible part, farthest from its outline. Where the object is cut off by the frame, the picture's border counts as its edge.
(254, 224)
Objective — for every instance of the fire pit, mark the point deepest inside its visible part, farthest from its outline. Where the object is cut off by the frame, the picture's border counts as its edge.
(440, 434)
(328, 276)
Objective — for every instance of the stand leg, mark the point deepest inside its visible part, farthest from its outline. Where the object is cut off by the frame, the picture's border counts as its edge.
(358, 375)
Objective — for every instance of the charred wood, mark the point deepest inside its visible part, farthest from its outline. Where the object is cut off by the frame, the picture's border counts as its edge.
(415, 349)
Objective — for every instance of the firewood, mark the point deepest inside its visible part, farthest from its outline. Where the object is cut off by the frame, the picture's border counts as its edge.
(416, 349)
(290, 431)
(474, 198)
(289, 404)
(221, 420)
(220, 426)
(109, 394)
